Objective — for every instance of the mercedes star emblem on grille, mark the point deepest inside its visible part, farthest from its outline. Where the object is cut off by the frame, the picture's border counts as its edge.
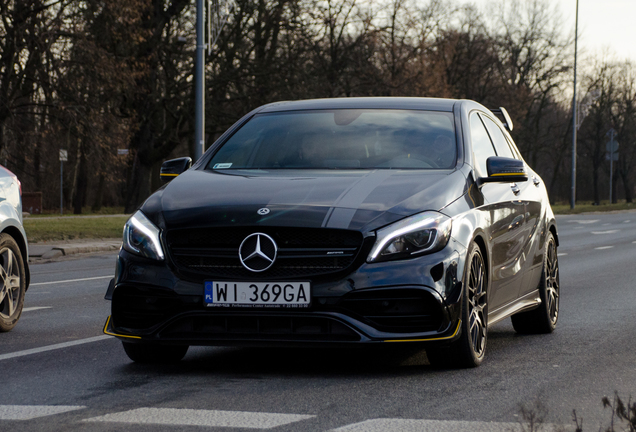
(258, 252)
(263, 211)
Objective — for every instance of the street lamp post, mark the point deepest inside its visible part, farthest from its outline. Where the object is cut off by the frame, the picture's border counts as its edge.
(218, 12)
(199, 84)
(574, 122)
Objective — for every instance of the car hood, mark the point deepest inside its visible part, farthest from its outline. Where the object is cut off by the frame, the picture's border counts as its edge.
(358, 199)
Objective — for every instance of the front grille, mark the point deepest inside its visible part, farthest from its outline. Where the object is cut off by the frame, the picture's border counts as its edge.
(302, 252)
(259, 328)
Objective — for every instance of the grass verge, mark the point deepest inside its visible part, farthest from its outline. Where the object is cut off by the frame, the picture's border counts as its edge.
(86, 211)
(587, 206)
(39, 229)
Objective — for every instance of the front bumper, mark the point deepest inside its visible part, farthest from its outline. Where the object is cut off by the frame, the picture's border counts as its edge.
(414, 300)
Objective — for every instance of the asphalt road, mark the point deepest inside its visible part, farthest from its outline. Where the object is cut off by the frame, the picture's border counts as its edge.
(59, 372)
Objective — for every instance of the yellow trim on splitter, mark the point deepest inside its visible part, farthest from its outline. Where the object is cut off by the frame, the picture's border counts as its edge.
(506, 174)
(168, 175)
(427, 340)
(115, 334)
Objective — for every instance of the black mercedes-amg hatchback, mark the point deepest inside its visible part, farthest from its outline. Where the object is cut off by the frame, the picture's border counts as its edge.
(342, 221)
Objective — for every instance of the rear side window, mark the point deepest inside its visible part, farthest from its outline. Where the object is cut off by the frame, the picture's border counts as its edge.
(498, 138)
(482, 146)
(342, 139)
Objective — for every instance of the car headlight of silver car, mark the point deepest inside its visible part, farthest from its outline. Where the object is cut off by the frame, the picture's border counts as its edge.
(141, 237)
(422, 233)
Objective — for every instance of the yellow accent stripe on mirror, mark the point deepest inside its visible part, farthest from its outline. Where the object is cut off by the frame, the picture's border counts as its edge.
(115, 334)
(168, 175)
(427, 340)
(507, 174)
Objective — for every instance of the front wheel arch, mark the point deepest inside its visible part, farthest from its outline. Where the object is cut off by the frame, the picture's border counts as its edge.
(19, 239)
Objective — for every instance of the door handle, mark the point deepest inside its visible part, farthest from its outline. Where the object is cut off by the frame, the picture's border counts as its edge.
(515, 189)
(536, 181)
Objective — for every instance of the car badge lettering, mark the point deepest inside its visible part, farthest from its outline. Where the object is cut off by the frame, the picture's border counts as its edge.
(263, 211)
(258, 252)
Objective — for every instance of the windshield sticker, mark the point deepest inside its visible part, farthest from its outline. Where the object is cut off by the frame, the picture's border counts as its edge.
(222, 165)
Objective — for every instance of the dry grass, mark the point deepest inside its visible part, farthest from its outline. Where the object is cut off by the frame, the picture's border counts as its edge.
(69, 228)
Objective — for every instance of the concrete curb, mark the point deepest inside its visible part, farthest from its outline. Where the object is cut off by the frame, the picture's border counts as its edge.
(40, 252)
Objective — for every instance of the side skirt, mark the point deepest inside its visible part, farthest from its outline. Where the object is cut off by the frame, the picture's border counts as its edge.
(527, 302)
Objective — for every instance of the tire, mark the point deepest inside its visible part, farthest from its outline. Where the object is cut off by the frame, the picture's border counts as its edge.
(544, 318)
(469, 350)
(12, 283)
(150, 353)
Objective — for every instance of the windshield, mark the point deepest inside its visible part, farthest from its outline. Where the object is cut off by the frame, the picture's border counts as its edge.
(346, 139)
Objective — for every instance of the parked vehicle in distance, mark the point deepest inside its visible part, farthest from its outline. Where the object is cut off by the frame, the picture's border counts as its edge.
(14, 257)
(342, 221)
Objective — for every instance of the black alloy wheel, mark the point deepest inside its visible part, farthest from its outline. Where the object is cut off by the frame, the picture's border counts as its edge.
(12, 283)
(544, 318)
(154, 353)
(469, 350)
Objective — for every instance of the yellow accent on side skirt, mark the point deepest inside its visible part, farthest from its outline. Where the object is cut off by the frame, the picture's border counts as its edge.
(115, 334)
(168, 175)
(427, 340)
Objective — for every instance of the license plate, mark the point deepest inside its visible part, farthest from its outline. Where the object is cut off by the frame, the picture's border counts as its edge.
(257, 294)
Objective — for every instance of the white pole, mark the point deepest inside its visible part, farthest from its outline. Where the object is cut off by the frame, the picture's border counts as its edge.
(576, 39)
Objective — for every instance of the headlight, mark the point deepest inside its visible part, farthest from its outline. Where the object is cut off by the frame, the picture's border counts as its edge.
(423, 233)
(141, 237)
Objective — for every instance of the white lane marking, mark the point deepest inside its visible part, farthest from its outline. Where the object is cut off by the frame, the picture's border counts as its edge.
(408, 425)
(28, 412)
(53, 347)
(71, 280)
(34, 308)
(562, 254)
(603, 247)
(627, 221)
(604, 232)
(606, 224)
(210, 418)
(590, 221)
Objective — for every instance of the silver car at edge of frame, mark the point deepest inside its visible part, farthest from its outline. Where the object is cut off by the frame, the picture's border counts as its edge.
(14, 267)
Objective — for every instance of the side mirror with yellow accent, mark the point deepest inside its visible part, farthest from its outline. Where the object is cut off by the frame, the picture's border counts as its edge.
(504, 170)
(173, 167)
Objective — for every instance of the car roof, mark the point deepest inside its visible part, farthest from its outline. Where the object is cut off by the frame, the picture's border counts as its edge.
(412, 103)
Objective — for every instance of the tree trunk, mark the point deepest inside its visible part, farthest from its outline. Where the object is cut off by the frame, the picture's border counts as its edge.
(597, 195)
(627, 186)
(139, 185)
(99, 194)
(614, 187)
(82, 179)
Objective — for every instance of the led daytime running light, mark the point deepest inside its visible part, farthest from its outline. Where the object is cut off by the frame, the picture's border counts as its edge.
(144, 227)
(433, 221)
(388, 239)
(152, 236)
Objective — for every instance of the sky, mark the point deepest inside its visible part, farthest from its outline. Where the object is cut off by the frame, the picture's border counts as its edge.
(604, 25)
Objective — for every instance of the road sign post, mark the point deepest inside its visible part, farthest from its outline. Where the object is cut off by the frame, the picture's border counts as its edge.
(63, 158)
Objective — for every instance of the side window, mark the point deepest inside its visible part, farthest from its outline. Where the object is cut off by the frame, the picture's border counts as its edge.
(482, 146)
(498, 138)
